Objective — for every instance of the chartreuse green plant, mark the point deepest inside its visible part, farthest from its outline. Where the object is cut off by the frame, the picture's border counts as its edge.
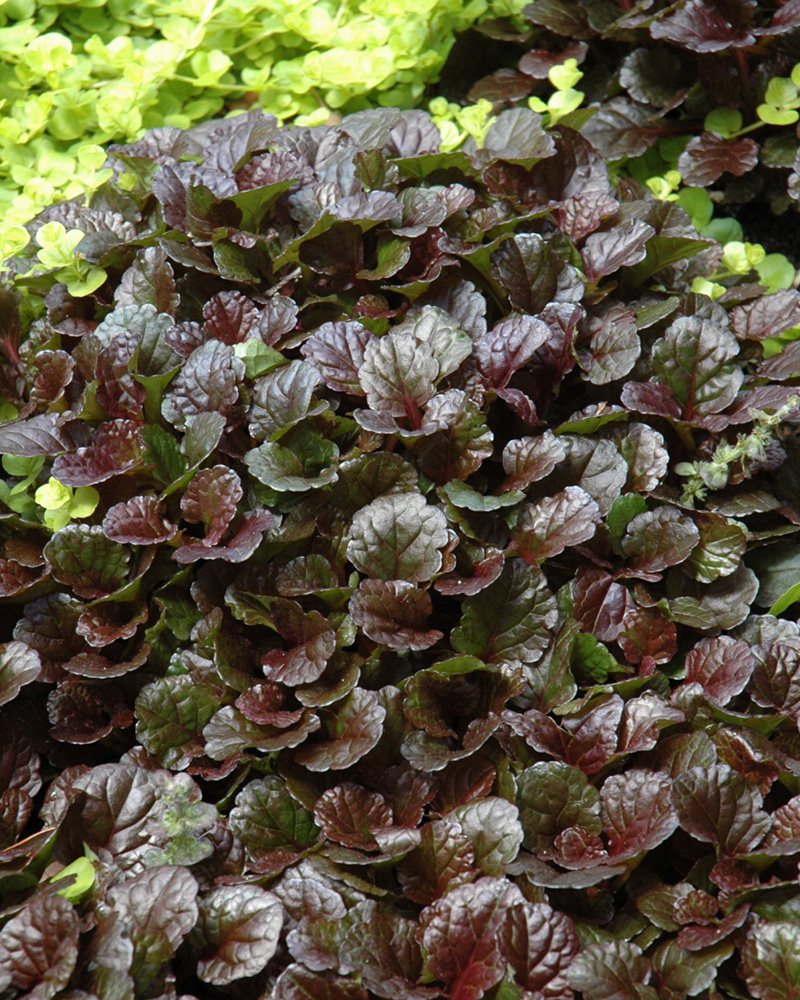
(565, 98)
(74, 77)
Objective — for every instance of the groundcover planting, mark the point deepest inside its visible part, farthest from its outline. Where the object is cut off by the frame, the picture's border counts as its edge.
(390, 537)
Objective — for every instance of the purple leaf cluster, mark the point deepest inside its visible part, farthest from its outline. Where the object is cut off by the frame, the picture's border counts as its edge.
(391, 662)
(653, 70)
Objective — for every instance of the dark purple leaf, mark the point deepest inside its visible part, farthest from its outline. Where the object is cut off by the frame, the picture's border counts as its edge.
(528, 459)
(237, 932)
(604, 253)
(708, 156)
(231, 317)
(517, 136)
(542, 943)
(656, 539)
(348, 814)
(148, 281)
(610, 344)
(623, 128)
(655, 76)
(776, 678)
(83, 558)
(554, 524)
(82, 714)
(707, 25)
(770, 963)
(586, 739)
(561, 17)
(116, 447)
(395, 613)
(139, 521)
(210, 499)
(507, 347)
(298, 983)
(398, 537)
(171, 713)
(19, 665)
(463, 935)
(245, 538)
(283, 398)
(722, 666)
(104, 623)
(40, 947)
(311, 641)
(460, 449)
(208, 382)
(637, 812)
(719, 806)
(552, 797)
(595, 465)
(383, 947)
(647, 634)
(533, 275)
(158, 908)
(44, 434)
(398, 374)
(444, 859)
(767, 316)
(600, 604)
(351, 729)
(337, 351)
(693, 359)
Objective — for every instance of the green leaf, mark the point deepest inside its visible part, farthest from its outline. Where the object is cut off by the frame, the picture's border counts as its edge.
(511, 619)
(171, 713)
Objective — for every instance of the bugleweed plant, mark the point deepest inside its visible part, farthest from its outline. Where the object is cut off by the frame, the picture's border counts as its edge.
(367, 640)
(74, 76)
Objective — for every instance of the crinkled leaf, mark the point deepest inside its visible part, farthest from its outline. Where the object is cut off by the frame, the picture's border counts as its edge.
(508, 346)
(274, 828)
(398, 537)
(553, 796)
(719, 806)
(353, 727)
(304, 461)
(701, 26)
(509, 620)
(554, 524)
(337, 351)
(116, 447)
(210, 499)
(158, 908)
(383, 947)
(19, 665)
(398, 375)
(637, 812)
(395, 613)
(767, 316)
(611, 970)
(693, 359)
(605, 252)
(722, 666)
(149, 281)
(528, 459)
(656, 539)
(82, 557)
(39, 947)
(494, 830)
(770, 960)
(722, 544)
(462, 935)
(283, 398)
(708, 156)
(208, 382)
(139, 521)
(612, 345)
(171, 713)
(238, 930)
(444, 859)
(433, 325)
(532, 274)
(348, 814)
